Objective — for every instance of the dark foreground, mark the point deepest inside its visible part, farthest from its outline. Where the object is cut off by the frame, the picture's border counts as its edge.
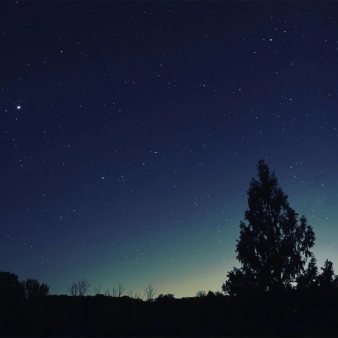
(64, 316)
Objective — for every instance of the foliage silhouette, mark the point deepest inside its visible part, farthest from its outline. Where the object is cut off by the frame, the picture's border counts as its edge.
(201, 294)
(32, 288)
(309, 278)
(327, 280)
(212, 294)
(274, 246)
(10, 287)
(212, 314)
(218, 294)
(166, 297)
(273, 249)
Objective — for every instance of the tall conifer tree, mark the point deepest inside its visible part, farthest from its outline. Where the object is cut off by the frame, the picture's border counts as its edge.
(274, 244)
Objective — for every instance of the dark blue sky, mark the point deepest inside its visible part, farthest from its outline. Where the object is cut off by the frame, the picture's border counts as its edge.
(130, 132)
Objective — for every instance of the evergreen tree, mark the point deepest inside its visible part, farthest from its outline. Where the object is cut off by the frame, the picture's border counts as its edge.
(327, 279)
(274, 245)
(308, 279)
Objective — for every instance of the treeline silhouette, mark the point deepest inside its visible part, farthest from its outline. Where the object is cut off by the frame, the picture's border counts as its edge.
(277, 291)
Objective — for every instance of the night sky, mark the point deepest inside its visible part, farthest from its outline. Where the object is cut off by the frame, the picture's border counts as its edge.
(130, 132)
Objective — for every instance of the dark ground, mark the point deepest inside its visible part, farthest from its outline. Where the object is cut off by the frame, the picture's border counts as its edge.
(67, 316)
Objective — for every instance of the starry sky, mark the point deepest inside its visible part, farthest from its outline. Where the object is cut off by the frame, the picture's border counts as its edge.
(130, 132)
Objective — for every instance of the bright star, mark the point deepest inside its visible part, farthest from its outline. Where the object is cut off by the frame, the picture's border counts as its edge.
(18, 107)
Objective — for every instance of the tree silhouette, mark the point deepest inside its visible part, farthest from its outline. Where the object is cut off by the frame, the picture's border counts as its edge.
(120, 290)
(79, 288)
(200, 294)
(73, 289)
(10, 287)
(211, 294)
(107, 293)
(239, 283)
(308, 279)
(327, 279)
(135, 296)
(117, 292)
(150, 292)
(32, 288)
(273, 247)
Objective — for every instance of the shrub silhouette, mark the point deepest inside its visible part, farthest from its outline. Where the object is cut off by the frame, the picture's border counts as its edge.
(166, 297)
(201, 294)
(10, 287)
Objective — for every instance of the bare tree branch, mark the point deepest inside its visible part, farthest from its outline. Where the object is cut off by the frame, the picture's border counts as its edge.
(150, 293)
(79, 288)
(120, 290)
(114, 292)
(135, 296)
(73, 289)
(83, 287)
